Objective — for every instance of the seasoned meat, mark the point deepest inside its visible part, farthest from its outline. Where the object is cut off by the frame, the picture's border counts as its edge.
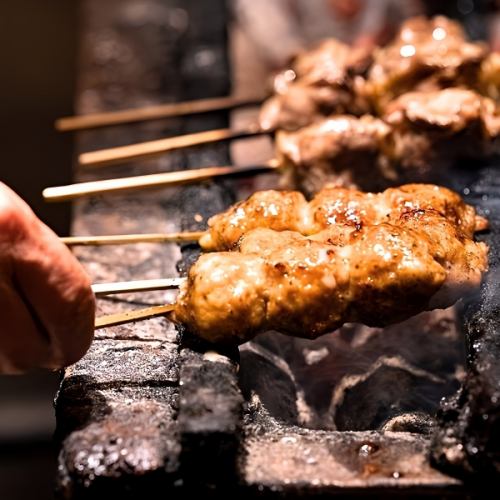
(336, 209)
(433, 53)
(331, 62)
(319, 82)
(342, 150)
(489, 76)
(303, 104)
(420, 135)
(377, 273)
(279, 210)
(432, 130)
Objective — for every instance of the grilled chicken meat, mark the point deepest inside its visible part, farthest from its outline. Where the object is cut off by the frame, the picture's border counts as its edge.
(329, 62)
(432, 130)
(352, 257)
(420, 135)
(426, 54)
(342, 150)
(319, 82)
(489, 76)
(334, 208)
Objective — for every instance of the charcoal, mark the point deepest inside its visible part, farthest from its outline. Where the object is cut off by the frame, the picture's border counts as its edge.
(390, 388)
(266, 375)
(122, 440)
(288, 461)
(320, 366)
(416, 422)
(209, 419)
(467, 443)
(77, 406)
(118, 362)
(116, 414)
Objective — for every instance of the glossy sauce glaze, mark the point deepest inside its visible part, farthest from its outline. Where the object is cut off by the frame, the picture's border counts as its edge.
(370, 258)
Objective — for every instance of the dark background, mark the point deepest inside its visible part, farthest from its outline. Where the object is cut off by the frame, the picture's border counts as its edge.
(38, 51)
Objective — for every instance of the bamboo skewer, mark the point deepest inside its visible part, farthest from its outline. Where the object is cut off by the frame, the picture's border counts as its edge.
(151, 149)
(105, 289)
(125, 239)
(73, 191)
(130, 316)
(97, 120)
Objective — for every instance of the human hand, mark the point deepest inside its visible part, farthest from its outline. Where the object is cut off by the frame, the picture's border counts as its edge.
(46, 303)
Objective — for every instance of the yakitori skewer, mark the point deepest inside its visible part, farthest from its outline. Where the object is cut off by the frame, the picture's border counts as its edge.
(151, 149)
(136, 286)
(128, 184)
(335, 79)
(155, 112)
(130, 316)
(126, 239)
(421, 133)
(346, 256)
(332, 63)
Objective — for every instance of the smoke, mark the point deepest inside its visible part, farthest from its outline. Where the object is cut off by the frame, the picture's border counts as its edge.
(359, 378)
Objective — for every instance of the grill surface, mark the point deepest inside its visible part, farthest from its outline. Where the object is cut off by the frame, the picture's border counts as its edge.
(151, 410)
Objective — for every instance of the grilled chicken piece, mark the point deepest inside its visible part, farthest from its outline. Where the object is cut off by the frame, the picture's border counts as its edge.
(434, 130)
(489, 76)
(430, 54)
(330, 62)
(382, 271)
(335, 209)
(420, 135)
(342, 150)
(325, 80)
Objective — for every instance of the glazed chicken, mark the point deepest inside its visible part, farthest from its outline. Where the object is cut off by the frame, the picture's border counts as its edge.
(489, 76)
(404, 114)
(375, 259)
(421, 134)
(436, 129)
(319, 82)
(342, 150)
(334, 208)
(332, 78)
(425, 55)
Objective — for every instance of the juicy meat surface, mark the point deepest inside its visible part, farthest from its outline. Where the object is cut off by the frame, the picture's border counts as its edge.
(424, 48)
(450, 109)
(342, 150)
(367, 258)
(432, 130)
(319, 82)
(426, 55)
(336, 209)
(421, 134)
(489, 76)
(331, 62)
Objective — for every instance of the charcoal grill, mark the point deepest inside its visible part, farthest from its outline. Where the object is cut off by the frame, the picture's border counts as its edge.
(150, 411)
